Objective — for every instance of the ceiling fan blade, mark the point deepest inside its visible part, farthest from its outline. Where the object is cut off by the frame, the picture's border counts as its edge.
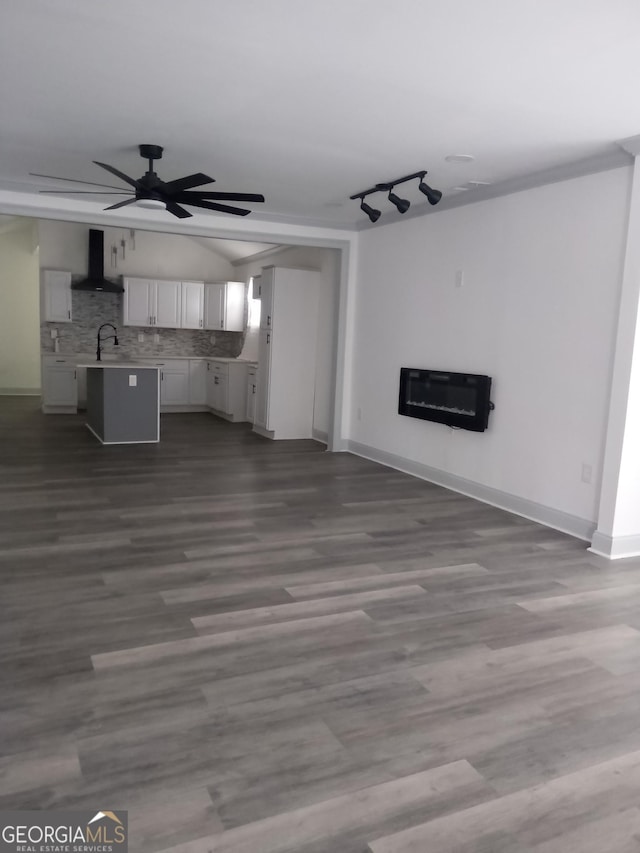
(212, 196)
(121, 204)
(178, 211)
(177, 186)
(223, 208)
(73, 180)
(85, 192)
(118, 174)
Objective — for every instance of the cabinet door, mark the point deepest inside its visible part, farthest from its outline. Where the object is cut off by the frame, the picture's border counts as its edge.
(222, 394)
(192, 305)
(261, 414)
(138, 302)
(214, 306)
(266, 299)
(251, 394)
(166, 311)
(174, 387)
(57, 296)
(234, 306)
(197, 383)
(59, 386)
(212, 388)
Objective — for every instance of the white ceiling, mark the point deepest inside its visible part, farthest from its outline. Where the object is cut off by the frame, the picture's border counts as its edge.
(310, 102)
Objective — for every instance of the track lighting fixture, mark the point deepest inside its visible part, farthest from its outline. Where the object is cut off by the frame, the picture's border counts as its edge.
(371, 212)
(433, 196)
(402, 204)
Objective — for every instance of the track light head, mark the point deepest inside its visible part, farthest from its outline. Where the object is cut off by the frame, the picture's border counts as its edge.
(371, 212)
(433, 196)
(401, 203)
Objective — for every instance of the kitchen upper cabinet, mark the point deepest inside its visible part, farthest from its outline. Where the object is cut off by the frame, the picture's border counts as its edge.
(192, 305)
(166, 304)
(56, 296)
(139, 301)
(163, 304)
(224, 306)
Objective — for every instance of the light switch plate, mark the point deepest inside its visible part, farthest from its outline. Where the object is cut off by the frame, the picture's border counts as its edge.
(133, 380)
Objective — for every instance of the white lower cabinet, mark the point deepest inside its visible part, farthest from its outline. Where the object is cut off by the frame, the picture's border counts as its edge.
(197, 382)
(227, 389)
(59, 383)
(174, 381)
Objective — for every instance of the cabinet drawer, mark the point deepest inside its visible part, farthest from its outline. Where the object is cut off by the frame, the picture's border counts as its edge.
(176, 365)
(220, 367)
(53, 360)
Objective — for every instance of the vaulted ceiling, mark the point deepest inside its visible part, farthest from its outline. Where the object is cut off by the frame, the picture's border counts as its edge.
(310, 102)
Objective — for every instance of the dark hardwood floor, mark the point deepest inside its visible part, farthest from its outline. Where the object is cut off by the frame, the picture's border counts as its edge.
(260, 647)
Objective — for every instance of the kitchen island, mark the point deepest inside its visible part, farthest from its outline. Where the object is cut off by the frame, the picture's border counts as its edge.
(123, 402)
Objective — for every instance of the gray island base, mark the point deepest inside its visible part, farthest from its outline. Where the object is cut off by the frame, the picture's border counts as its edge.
(123, 402)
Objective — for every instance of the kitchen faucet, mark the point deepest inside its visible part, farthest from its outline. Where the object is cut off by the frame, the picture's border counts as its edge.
(102, 340)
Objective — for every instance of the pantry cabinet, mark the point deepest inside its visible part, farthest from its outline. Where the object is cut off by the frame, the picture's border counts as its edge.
(287, 353)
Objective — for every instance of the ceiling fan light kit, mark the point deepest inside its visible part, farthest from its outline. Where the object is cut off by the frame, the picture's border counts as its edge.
(152, 193)
(401, 204)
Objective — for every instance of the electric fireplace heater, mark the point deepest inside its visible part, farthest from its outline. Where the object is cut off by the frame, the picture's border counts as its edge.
(456, 399)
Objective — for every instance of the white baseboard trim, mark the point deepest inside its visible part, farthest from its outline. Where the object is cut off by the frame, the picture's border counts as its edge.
(20, 392)
(581, 528)
(183, 409)
(615, 547)
(320, 436)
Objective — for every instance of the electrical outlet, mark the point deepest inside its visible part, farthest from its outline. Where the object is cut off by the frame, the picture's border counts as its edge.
(156, 338)
(586, 472)
(133, 380)
(140, 337)
(459, 278)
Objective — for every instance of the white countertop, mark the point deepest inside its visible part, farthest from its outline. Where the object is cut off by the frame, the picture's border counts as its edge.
(121, 365)
(109, 358)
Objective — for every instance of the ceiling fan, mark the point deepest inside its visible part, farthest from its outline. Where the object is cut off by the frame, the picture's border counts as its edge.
(153, 192)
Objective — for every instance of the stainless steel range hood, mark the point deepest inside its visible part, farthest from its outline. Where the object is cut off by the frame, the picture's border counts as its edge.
(95, 281)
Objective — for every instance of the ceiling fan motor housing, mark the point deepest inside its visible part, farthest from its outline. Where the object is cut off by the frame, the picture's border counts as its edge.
(151, 152)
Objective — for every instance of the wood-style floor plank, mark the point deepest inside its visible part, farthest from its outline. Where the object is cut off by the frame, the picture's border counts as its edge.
(261, 646)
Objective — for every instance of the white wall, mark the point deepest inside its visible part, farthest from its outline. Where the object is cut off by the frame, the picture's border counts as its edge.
(65, 246)
(537, 312)
(19, 309)
(328, 262)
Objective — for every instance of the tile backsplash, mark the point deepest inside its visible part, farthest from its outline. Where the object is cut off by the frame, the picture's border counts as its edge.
(90, 310)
